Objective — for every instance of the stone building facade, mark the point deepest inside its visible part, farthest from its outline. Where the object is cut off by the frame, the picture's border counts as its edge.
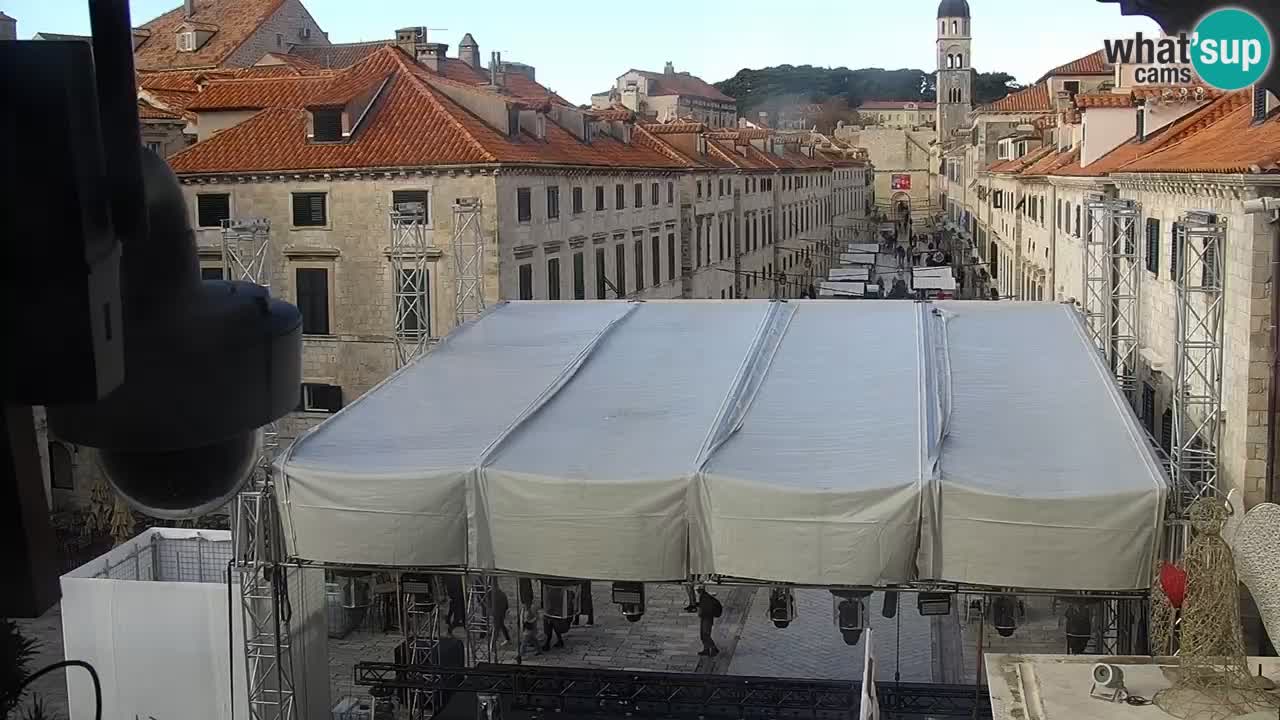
(669, 96)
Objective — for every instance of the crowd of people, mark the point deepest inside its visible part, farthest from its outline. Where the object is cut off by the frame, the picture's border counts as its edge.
(542, 631)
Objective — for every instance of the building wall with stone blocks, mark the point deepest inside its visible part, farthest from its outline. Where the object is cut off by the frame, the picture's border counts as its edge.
(897, 152)
(291, 24)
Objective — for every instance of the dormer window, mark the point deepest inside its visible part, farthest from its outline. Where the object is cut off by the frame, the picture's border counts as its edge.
(186, 42)
(326, 125)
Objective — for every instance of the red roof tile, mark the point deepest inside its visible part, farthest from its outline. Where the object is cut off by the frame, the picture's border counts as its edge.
(1019, 164)
(147, 111)
(1218, 138)
(1094, 63)
(1034, 99)
(235, 20)
(675, 128)
(1176, 92)
(681, 84)
(1051, 161)
(1104, 100)
(410, 125)
(338, 55)
(613, 113)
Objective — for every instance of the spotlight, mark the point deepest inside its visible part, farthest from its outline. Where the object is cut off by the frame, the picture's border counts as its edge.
(782, 606)
(890, 606)
(421, 587)
(488, 706)
(850, 614)
(1004, 610)
(630, 595)
(933, 603)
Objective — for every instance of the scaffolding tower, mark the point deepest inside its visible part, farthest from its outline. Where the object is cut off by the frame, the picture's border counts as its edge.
(468, 259)
(420, 622)
(258, 550)
(1112, 281)
(1198, 248)
(481, 636)
(409, 246)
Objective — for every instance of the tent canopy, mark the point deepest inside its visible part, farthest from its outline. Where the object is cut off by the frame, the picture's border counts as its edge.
(816, 442)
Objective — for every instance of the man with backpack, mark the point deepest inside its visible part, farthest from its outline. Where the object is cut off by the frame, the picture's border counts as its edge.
(709, 608)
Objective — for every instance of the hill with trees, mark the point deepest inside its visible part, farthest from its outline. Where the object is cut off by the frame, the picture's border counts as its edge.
(775, 88)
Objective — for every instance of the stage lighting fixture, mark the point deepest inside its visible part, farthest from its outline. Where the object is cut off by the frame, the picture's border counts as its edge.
(782, 606)
(421, 586)
(560, 599)
(1004, 614)
(934, 603)
(1079, 627)
(488, 706)
(850, 614)
(889, 608)
(630, 596)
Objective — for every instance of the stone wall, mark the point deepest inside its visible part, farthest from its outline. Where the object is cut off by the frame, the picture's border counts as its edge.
(288, 23)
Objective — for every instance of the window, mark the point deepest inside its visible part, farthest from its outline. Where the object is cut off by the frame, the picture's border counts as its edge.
(553, 278)
(619, 197)
(524, 205)
(699, 188)
(639, 248)
(1153, 245)
(154, 147)
(1209, 266)
(637, 195)
(656, 242)
(577, 201)
(1071, 86)
(312, 292)
(211, 273)
(697, 244)
(654, 196)
(553, 202)
(1166, 430)
(1148, 410)
(319, 397)
(600, 278)
(61, 476)
(579, 277)
(1077, 233)
(1057, 215)
(413, 304)
(279, 40)
(599, 198)
(526, 281)
(671, 192)
(720, 226)
(620, 272)
(212, 209)
(326, 125)
(1175, 264)
(671, 256)
(309, 209)
(412, 202)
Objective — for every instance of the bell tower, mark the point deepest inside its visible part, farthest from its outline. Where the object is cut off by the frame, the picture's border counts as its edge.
(955, 67)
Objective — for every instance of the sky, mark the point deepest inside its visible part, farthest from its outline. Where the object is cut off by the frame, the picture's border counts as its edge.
(579, 48)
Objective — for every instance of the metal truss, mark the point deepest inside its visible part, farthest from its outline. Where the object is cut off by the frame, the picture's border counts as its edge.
(246, 257)
(481, 638)
(1120, 627)
(1199, 244)
(468, 259)
(265, 607)
(409, 245)
(420, 622)
(616, 693)
(1112, 280)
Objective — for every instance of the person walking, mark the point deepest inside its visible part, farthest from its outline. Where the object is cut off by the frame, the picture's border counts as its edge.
(457, 616)
(692, 607)
(585, 605)
(501, 606)
(553, 626)
(709, 608)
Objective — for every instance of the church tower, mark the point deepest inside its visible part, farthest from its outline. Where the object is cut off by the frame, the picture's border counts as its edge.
(955, 67)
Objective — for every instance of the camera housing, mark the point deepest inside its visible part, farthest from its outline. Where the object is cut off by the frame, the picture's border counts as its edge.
(207, 363)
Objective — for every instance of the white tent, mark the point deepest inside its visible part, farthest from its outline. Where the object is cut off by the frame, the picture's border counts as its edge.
(814, 442)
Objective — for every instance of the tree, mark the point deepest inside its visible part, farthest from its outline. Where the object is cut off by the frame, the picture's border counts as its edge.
(833, 112)
(990, 87)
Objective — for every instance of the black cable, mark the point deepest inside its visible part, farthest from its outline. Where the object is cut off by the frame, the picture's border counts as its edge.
(97, 684)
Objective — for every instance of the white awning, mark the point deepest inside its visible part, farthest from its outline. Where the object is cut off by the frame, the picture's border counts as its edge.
(813, 442)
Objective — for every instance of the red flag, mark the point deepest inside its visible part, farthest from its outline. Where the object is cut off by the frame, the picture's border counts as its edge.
(1173, 580)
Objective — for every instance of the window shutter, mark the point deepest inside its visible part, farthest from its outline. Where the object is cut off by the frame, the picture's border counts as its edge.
(1175, 262)
(212, 209)
(326, 125)
(308, 209)
(1259, 103)
(1153, 245)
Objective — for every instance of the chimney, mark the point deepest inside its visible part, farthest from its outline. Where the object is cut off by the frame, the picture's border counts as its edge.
(670, 69)
(407, 40)
(469, 51)
(8, 27)
(495, 69)
(189, 7)
(432, 55)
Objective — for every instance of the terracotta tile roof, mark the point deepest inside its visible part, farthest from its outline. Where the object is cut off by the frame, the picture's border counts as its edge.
(180, 80)
(235, 21)
(613, 113)
(1027, 100)
(896, 105)
(1219, 138)
(1104, 100)
(294, 61)
(681, 84)
(1019, 164)
(410, 125)
(1094, 63)
(147, 111)
(1051, 161)
(338, 55)
(675, 128)
(516, 84)
(260, 93)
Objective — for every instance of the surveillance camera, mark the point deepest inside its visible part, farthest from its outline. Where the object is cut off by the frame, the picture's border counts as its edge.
(207, 363)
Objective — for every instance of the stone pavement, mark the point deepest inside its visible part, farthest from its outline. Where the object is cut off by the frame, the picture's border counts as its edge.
(52, 688)
(811, 646)
(1040, 632)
